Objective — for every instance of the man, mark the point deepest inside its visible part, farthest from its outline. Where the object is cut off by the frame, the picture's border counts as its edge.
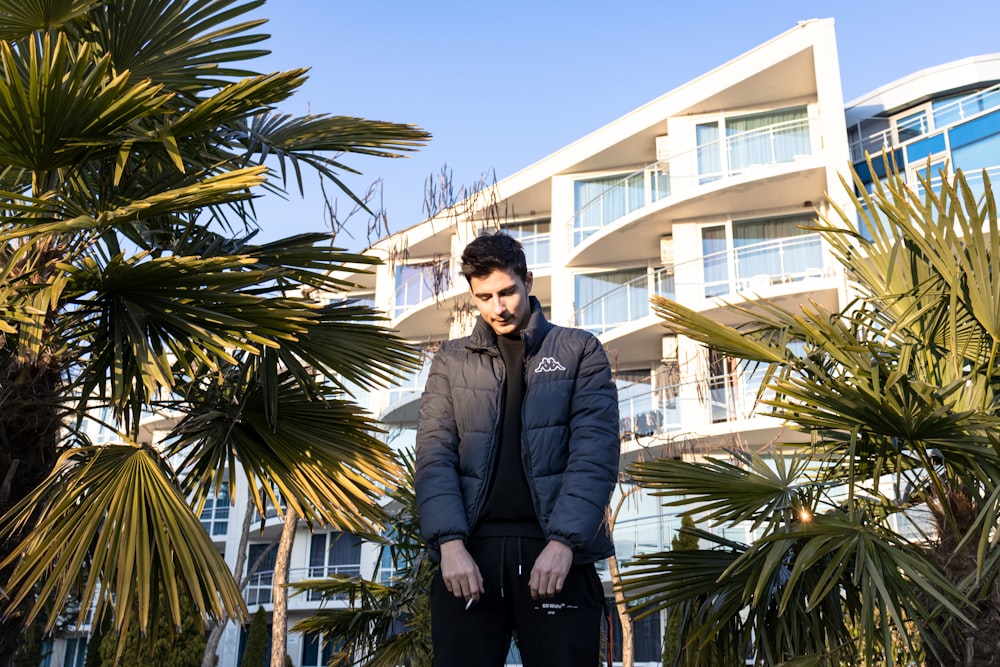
(516, 457)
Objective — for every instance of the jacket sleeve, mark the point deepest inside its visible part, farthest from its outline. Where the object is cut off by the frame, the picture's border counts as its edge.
(439, 494)
(592, 465)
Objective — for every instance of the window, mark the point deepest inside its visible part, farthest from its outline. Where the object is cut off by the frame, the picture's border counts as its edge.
(611, 298)
(914, 125)
(722, 379)
(601, 201)
(333, 553)
(215, 514)
(316, 651)
(756, 253)
(736, 143)
(260, 587)
(635, 405)
(534, 237)
(76, 652)
(416, 283)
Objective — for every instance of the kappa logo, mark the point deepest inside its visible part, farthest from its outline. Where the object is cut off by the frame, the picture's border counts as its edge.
(549, 365)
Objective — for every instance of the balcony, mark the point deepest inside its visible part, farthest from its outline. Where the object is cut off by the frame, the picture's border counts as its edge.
(941, 116)
(626, 303)
(719, 162)
(754, 268)
(404, 396)
(417, 283)
(260, 589)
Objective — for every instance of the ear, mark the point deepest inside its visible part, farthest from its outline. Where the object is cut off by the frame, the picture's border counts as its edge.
(528, 282)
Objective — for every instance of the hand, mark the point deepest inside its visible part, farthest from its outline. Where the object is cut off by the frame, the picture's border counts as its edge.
(460, 572)
(548, 574)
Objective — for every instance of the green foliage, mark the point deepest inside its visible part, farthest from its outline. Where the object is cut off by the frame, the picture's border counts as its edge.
(898, 392)
(134, 136)
(385, 624)
(165, 646)
(255, 653)
(683, 540)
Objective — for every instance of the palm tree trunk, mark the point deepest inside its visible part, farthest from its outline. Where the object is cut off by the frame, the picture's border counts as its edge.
(279, 618)
(29, 428)
(628, 637)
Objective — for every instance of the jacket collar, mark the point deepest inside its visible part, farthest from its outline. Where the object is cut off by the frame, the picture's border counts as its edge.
(484, 338)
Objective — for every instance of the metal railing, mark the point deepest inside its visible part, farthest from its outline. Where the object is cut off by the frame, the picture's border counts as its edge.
(652, 183)
(260, 588)
(761, 265)
(945, 116)
(430, 280)
(748, 268)
(622, 304)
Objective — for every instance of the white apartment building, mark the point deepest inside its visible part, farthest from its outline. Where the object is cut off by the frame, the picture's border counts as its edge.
(699, 195)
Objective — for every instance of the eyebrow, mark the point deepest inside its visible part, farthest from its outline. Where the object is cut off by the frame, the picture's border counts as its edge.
(504, 292)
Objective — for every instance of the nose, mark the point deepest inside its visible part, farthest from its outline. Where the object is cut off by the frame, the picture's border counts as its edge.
(499, 307)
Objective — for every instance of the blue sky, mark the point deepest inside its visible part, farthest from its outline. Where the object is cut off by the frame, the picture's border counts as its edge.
(501, 85)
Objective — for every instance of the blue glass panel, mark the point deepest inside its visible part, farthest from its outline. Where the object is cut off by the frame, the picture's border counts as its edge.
(919, 150)
(974, 130)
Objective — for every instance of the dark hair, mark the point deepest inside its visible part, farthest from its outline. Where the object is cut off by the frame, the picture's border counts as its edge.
(489, 252)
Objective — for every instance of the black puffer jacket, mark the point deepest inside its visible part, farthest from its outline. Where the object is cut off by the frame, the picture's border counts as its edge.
(570, 435)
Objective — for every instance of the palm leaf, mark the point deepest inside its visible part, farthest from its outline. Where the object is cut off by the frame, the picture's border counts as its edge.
(113, 518)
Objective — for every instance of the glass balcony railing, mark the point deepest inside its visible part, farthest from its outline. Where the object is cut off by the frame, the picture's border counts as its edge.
(626, 303)
(260, 588)
(411, 386)
(635, 536)
(644, 412)
(761, 265)
(746, 269)
(917, 125)
(416, 283)
(770, 145)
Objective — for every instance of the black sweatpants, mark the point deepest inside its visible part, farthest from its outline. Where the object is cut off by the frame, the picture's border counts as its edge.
(562, 631)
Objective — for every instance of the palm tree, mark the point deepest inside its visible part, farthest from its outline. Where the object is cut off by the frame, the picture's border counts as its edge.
(877, 542)
(132, 140)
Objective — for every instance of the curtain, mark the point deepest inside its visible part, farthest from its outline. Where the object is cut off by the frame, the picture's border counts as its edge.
(607, 299)
(766, 246)
(715, 260)
(767, 138)
(709, 153)
(601, 201)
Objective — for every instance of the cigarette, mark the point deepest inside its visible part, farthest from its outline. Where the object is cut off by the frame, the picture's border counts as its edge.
(468, 604)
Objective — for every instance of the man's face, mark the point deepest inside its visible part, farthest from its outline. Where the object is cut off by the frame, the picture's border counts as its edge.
(502, 300)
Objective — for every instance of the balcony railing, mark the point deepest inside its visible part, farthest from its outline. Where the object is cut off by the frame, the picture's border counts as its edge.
(426, 281)
(654, 533)
(760, 265)
(645, 412)
(761, 147)
(260, 588)
(626, 303)
(746, 269)
(412, 385)
(945, 115)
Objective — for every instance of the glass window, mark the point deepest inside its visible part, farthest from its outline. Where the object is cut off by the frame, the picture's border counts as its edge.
(416, 283)
(312, 653)
(601, 201)
(709, 152)
(767, 138)
(912, 126)
(534, 237)
(333, 553)
(611, 298)
(260, 587)
(715, 260)
(215, 514)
